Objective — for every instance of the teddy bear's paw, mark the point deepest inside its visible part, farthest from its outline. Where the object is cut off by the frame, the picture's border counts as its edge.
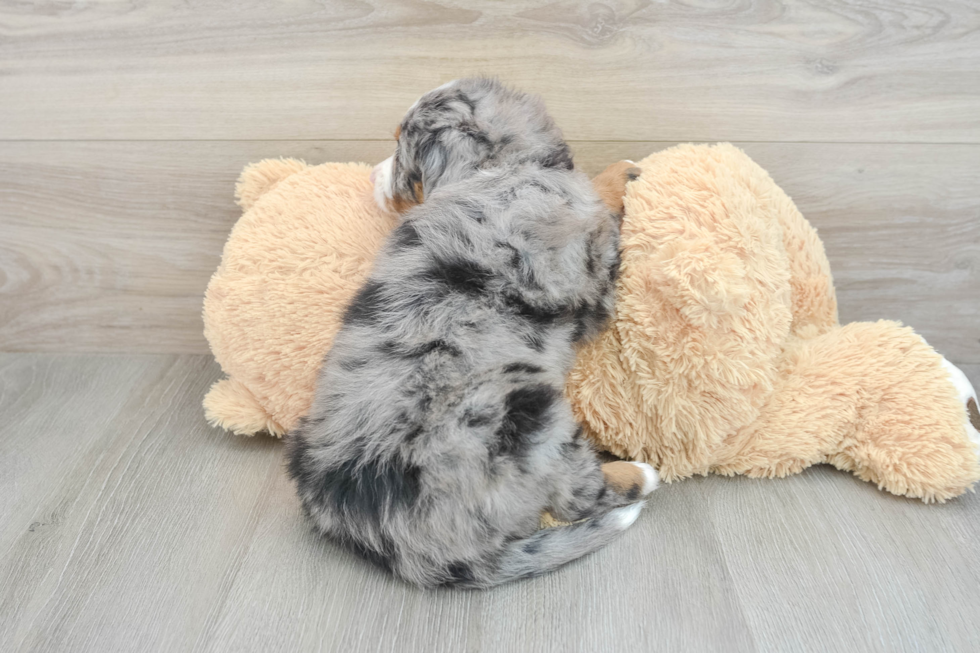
(968, 396)
(623, 518)
(631, 479)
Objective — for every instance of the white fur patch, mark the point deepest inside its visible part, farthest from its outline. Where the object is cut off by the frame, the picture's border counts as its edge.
(651, 479)
(624, 517)
(383, 182)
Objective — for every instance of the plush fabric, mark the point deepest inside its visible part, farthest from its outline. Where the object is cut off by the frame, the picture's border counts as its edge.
(725, 355)
(292, 262)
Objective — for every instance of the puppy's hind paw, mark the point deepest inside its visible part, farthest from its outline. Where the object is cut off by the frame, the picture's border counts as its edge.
(651, 479)
(631, 480)
(610, 184)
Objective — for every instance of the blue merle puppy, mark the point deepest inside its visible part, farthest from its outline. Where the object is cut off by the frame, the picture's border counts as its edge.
(439, 432)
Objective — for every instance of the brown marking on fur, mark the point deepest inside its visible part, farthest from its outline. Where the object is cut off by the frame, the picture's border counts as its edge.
(400, 204)
(398, 132)
(610, 184)
(974, 412)
(623, 476)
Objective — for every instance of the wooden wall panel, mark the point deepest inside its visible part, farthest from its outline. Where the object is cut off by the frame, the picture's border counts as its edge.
(108, 246)
(753, 70)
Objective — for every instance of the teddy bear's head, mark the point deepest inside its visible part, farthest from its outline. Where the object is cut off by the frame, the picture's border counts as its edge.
(718, 270)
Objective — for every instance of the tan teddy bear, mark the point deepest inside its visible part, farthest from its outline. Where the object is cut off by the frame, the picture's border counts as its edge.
(725, 354)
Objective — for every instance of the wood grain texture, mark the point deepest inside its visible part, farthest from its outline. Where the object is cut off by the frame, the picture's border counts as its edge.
(621, 70)
(115, 242)
(109, 246)
(128, 524)
(134, 526)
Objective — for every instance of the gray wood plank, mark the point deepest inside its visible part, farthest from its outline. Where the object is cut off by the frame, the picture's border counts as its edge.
(55, 414)
(643, 592)
(153, 532)
(115, 242)
(109, 246)
(134, 536)
(620, 70)
(823, 561)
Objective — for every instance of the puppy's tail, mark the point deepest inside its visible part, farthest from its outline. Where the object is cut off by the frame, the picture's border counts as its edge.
(551, 548)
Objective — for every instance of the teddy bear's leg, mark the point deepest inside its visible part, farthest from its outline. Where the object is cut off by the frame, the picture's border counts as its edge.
(870, 398)
(610, 184)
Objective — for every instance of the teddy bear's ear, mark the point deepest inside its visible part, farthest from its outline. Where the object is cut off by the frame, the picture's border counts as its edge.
(257, 179)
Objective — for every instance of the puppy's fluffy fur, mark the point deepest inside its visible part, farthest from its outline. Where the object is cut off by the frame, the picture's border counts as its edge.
(439, 432)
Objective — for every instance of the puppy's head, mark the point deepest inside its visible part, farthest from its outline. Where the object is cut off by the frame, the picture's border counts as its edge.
(459, 128)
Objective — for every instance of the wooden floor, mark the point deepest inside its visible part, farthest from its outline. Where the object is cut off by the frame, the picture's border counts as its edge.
(126, 523)
(129, 524)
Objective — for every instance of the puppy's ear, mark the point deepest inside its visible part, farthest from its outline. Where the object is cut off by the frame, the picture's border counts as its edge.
(432, 162)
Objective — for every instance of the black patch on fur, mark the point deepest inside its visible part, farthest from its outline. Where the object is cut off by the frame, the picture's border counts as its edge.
(590, 256)
(296, 451)
(473, 131)
(573, 444)
(532, 547)
(614, 268)
(560, 158)
(525, 411)
(367, 305)
(522, 367)
(585, 314)
(465, 99)
(352, 364)
(460, 276)
(459, 572)
(541, 187)
(515, 254)
(368, 488)
(633, 494)
(471, 210)
(535, 340)
(412, 435)
(402, 350)
(304, 423)
(405, 428)
(476, 420)
(538, 315)
(382, 559)
(406, 236)
(600, 315)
